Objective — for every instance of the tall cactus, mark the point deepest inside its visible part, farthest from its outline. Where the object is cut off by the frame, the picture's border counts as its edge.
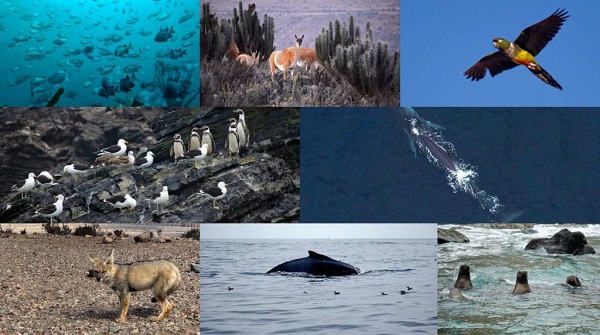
(367, 66)
(249, 35)
(244, 28)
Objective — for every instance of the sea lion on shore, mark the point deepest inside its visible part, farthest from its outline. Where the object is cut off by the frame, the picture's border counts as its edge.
(573, 281)
(463, 281)
(521, 284)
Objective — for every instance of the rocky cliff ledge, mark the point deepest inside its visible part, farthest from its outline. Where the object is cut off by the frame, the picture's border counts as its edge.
(263, 183)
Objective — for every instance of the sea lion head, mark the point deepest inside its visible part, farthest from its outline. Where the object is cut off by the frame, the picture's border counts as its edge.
(521, 284)
(573, 281)
(522, 277)
(464, 277)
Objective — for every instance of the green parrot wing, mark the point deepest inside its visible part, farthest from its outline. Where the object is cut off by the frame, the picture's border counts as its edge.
(495, 63)
(533, 39)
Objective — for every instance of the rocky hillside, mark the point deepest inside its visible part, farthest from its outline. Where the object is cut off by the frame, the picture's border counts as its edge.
(263, 183)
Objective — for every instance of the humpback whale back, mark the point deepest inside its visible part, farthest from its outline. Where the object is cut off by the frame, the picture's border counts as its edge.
(316, 264)
(318, 255)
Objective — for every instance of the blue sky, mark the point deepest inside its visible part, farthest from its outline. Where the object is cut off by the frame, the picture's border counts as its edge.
(318, 231)
(442, 39)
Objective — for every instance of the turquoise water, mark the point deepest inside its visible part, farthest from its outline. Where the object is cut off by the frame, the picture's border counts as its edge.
(495, 256)
(48, 44)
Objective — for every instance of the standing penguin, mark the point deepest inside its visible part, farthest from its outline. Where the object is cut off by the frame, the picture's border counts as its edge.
(178, 147)
(207, 138)
(242, 129)
(232, 143)
(194, 140)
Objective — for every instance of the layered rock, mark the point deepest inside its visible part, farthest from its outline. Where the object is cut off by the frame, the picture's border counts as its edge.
(263, 183)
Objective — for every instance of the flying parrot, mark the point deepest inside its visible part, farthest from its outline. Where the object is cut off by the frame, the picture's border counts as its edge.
(522, 51)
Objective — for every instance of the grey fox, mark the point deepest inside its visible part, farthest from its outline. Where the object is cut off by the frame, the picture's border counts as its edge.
(162, 277)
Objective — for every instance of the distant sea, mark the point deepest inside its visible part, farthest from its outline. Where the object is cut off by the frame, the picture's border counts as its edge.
(495, 256)
(541, 164)
(291, 304)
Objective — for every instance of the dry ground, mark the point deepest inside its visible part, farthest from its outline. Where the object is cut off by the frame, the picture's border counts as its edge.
(45, 290)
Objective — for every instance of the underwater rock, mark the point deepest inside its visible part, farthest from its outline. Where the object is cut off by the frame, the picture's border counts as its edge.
(563, 242)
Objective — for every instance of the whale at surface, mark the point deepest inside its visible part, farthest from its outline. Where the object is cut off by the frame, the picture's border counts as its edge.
(409, 119)
(438, 152)
(317, 264)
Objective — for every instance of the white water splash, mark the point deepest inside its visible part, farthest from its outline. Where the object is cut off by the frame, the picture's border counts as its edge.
(464, 178)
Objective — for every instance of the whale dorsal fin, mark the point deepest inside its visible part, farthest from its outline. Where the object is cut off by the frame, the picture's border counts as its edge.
(317, 255)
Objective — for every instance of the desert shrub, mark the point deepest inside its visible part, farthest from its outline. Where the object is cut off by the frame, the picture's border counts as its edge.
(86, 230)
(193, 233)
(8, 230)
(231, 84)
(23, 232)
(55, 229)
(118, 233)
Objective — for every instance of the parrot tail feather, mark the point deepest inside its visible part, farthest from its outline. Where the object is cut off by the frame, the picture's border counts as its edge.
(539, 72)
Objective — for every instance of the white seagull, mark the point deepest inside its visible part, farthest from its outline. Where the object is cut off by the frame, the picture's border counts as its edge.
(145, 162)
(122, 201)
(44, 180)
(25, 185)
(114, 150)
(52, 210)
(160, 198)
(215, 193)
(197, 155)
(77, 169)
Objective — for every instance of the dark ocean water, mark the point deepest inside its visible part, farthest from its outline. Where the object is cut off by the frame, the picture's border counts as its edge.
(495, 256)
(44, 45)
(277, 304)
(357, 165)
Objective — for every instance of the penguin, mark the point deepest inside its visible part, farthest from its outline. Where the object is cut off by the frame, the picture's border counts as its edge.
(242, 129)
(194, 140)
(207, 138)
(232, 143)
(178, 147)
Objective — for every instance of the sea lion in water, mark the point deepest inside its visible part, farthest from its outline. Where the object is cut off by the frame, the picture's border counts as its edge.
(521, 284)
(464, 278)
(573, 281)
